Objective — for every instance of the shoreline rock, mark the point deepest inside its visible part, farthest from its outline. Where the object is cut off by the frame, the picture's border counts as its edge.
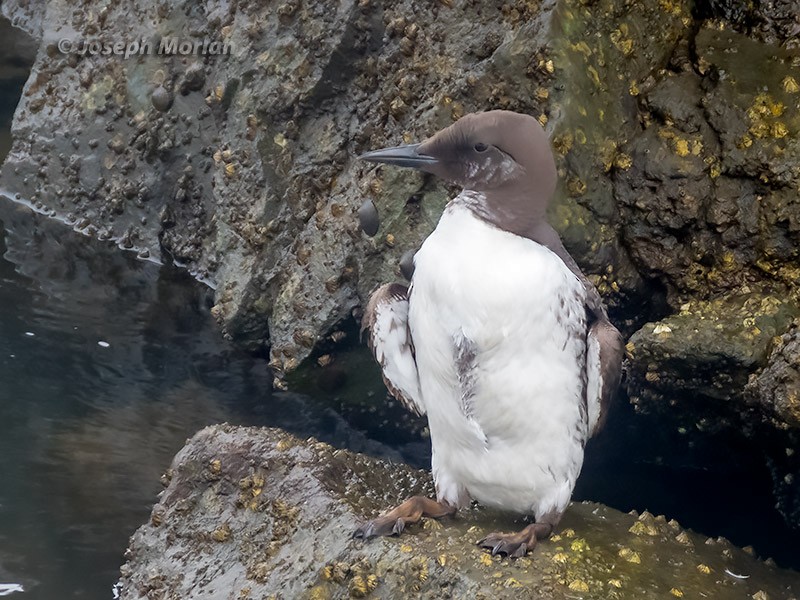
(258, 513)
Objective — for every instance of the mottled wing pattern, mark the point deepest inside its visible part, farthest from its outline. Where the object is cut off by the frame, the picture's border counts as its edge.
(386, 318)
(604, 350)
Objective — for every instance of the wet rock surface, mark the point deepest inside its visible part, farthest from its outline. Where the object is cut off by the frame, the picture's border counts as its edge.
(252, 513)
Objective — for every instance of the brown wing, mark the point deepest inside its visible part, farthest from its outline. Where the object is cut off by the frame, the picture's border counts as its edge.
(604, 350)
(386, 318)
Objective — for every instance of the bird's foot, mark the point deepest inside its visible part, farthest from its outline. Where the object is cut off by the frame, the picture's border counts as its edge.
(410, 511)
(516, 545)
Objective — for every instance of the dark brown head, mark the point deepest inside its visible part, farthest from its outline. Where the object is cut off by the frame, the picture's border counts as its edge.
(503, 155)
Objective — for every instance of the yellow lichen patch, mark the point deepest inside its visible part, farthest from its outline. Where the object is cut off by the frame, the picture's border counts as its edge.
(560, 558)
(563, 143)
(549, 66)
(630, 555)
(244, 593)
(406, 548)
(280, 140)
(421, 568)
(215, 466)
(578, 585)
(623, 161)
(283, 445)
(745, 142)
(576, 187)
(607, 152)
(764, 109)
(615, 583)
(542, 119)
(319, 592)
(431, 525)
(230, 170)
(619, 37)
(221, 533)
(555, 538)
(390, 240)
(662, 328)
(442, 560)
(593, 75)
(676, 592)
(583, 48)
(512, 583)
(568, 533)
(779, 130)
(579, 545)
(633, 90)
(542, 93)
(361, 586)
(681, 147)
(697, 147)
(672, 7)
(790, 85)
(486, 560)
(704, 569)
(640, 528)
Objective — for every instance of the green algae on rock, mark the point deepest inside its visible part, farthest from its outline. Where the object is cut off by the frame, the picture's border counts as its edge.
(257, 513)
(707, 349)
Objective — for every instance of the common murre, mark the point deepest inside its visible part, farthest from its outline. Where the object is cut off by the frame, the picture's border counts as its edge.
(499, 339)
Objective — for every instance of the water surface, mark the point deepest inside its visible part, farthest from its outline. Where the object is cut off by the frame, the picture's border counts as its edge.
(107, 365)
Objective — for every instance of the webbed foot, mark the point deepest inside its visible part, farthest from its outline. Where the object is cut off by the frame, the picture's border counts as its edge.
(516, 545)
(409, 512)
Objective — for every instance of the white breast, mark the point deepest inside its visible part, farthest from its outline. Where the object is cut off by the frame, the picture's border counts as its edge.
(516, 440)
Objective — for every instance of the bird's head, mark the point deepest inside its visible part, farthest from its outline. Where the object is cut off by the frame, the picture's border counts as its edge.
(503, 155)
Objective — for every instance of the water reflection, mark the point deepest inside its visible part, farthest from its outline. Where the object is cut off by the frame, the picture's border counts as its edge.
(107, 365)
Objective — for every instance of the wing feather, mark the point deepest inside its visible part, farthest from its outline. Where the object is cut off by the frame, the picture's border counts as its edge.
(604, 350)
(386, 318)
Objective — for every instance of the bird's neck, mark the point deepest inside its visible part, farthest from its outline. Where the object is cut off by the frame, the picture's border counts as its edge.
(516, 213)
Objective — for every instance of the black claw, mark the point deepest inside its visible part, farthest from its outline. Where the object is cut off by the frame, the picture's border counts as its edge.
(366, 531)
(521, 551)
(399, 526)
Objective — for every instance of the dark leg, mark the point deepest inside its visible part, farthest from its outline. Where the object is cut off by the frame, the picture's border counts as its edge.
(410, 511)
(517, 544)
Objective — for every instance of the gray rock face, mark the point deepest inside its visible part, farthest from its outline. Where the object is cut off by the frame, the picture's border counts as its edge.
(251, 513)
(241, 166)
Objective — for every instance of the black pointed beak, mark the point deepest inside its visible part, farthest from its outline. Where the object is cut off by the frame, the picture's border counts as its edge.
(401, 156)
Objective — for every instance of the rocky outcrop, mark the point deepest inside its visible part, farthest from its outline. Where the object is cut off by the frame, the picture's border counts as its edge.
(242, 167)
(251, 513)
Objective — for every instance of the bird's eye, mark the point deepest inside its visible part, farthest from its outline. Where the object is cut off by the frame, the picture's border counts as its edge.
(480, 147)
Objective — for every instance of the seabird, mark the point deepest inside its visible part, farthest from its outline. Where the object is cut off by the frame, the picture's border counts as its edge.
(499, 339)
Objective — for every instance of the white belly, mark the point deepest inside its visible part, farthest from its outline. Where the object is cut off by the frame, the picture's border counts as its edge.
(516, 440)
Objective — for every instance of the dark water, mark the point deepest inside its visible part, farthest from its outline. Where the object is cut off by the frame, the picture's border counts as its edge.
(107, 365)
